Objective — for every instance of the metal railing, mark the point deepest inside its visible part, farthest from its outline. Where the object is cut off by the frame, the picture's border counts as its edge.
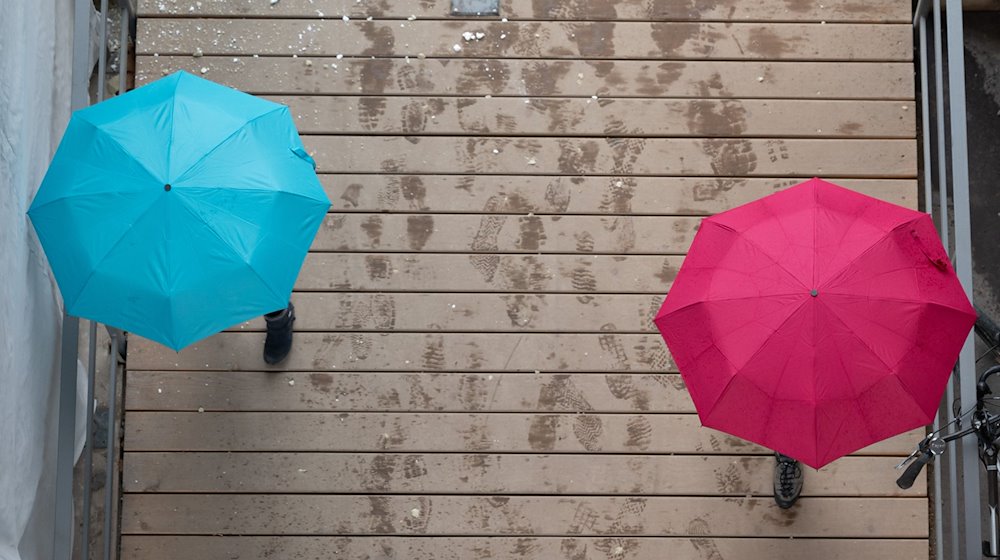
(961, 498)
(64, 526)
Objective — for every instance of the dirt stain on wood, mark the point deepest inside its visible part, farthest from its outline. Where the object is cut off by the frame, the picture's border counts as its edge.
(419, 230)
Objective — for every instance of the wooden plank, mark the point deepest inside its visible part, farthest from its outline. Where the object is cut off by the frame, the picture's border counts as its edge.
(635, 196)
(250, 514)
(614, 156)
(582, 275)
(170, 547)
(683, 10)
(581, 117)
(477, 474)
(513, 39)
(413, 312)
(533, 78)
(404, 392)
(610, 351)
(568, 432)
(527, 233)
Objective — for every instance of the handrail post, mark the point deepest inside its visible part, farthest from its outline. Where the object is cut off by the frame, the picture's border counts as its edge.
(971, 498)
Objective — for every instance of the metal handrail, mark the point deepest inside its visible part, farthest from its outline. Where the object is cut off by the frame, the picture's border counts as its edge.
(951, 141)
(63, 527)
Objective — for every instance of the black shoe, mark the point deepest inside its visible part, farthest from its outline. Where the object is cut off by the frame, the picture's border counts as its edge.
(278, 343)
(787, 481)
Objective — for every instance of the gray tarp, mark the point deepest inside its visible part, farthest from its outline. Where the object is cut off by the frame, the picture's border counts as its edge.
(35, 62)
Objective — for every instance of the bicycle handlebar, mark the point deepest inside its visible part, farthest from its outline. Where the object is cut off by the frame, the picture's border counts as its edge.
(910, 474)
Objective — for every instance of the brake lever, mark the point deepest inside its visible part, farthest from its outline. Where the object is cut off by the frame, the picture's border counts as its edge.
(920, 449)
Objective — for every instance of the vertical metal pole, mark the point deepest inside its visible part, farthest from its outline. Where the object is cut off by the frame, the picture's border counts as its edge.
(62, 545)
(963, 266)
(112, 424)
(89, 442)
(102, 51)
(941, 132)
(126, 21)
(925, 117)
(942, 173)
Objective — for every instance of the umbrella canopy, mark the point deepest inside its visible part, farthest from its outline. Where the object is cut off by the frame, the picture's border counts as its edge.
(816, 321)
(178, 209)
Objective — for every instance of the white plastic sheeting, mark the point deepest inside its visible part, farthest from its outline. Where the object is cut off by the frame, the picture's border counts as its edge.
(35, 65)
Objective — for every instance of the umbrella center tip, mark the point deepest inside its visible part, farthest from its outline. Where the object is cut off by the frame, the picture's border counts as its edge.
(166, 187)
(814, 293)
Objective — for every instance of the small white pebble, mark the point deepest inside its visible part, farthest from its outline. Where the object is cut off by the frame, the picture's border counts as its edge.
(421, 55)
(760, 78)
(488, 96)
(503, 20)
(308, 62)
(273, 2)
(302, 470)
(594, 97)
(468, 36)
(369, 18)
(204, 70)
(456, 47)
(531, 161)
(480, 35)
(503, 35)
(619, 550)
(291, 382)
(340, 56)
(158, 390)
(201, 409)
(198, 52)
(346, 19)
(496, 151)
(412, 17)
(415, 512)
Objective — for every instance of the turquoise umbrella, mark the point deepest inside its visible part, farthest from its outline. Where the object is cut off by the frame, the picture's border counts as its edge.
(178, 209)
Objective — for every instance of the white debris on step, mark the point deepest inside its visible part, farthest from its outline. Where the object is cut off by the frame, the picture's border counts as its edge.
(456, 47)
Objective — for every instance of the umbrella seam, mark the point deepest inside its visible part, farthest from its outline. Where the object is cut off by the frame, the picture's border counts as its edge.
(720, 300)
(120, 145)
(270, 288)
(870, 249)
(770, 411)
(104, 257)
(204, 156)
(743, 238)
(867, 421)
(900, 300)
(754, 355)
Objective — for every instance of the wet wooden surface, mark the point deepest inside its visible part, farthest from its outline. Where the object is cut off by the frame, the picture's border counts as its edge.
(475, 371)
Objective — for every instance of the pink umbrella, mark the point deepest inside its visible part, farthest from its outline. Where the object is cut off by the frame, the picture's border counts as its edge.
(816, 321)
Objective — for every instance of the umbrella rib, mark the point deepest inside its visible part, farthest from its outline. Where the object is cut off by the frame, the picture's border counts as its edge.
(762, 252)
(121, 146)
(870, 249)
(181, 176)
(755, 354)
(209, 227)
(111, 249)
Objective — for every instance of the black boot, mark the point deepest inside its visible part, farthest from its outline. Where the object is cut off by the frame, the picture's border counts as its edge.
(279, 334)
(787, 481)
